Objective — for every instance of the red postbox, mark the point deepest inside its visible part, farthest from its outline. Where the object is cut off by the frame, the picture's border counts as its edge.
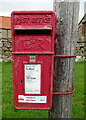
(33, 34)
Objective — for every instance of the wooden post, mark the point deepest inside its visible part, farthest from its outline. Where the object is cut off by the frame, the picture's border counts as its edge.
(67, 15)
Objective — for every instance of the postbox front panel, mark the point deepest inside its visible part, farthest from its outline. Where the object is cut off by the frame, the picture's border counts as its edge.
(33, 41)
(32, 82)
(33, 36)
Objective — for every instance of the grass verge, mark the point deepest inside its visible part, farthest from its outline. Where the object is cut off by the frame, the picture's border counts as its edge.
(8, 110)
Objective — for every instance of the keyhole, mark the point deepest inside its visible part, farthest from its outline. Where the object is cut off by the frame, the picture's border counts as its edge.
(21, 81)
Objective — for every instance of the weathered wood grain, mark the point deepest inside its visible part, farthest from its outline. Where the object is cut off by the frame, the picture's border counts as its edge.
(67, 15)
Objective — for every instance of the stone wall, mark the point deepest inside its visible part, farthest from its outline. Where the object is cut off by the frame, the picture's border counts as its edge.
(5, 45)
(80, 49)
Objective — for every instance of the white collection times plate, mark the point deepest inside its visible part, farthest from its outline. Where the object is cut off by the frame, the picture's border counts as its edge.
(32, 78)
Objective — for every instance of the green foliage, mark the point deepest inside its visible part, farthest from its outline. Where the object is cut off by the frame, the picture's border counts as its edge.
(8, 110)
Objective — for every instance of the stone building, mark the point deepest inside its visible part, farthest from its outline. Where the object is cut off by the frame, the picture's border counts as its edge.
(81, 42)
(5, 39)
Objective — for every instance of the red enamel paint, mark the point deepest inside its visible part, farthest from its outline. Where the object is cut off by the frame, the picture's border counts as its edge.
(33, 34)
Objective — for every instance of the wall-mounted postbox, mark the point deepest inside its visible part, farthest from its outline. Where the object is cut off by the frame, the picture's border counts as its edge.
(33, 36)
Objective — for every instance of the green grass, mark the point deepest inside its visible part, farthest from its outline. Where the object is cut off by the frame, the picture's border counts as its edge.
(8, 110)
(0, 90)
(78, 109)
